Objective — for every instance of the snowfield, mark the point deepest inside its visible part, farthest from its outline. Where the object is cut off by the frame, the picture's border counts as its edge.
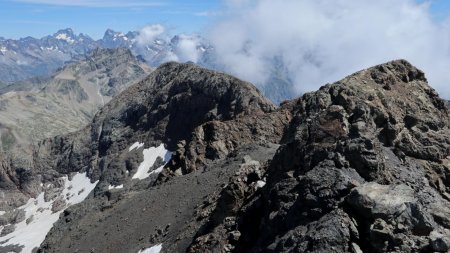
(150, 156)
(39, 218)
(154, 249)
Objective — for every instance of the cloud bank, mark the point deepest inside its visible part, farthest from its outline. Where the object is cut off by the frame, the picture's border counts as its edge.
(186, 48)
(149, 33)
(322, 41)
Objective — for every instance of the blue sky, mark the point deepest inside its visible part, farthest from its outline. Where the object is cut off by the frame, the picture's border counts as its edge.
(37, 18)
(440, 8)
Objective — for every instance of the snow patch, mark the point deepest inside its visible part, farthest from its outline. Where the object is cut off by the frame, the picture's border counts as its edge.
(136, 145)
(260, 184)
(40, 216)
(65, 37)
(3, 50)
(119, 36)
(154, 249)
(150, 156)
(78, 189)
(111, 187)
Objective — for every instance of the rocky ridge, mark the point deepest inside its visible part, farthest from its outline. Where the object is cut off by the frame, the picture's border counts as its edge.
(29, 57)
(359, 166)
(364, 168)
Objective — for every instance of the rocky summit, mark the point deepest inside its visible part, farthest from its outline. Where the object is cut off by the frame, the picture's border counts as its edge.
(193, 160)
(363, 167)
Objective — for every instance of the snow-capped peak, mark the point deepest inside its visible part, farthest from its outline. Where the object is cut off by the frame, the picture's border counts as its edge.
(113, 35)
(65, 37)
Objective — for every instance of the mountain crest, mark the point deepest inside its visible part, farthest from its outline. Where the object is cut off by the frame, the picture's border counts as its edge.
(360, 165)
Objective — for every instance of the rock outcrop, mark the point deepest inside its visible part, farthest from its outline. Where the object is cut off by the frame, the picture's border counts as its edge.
(364, 168)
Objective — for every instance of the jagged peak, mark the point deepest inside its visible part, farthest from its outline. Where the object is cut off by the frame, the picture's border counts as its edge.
(397, 79)
(67, 31)
(190, 71)
(108, 33)
(395, 96)
(401, 70)
(113, 35)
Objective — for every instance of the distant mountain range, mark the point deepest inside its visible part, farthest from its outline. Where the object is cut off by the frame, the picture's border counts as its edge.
(30, 57)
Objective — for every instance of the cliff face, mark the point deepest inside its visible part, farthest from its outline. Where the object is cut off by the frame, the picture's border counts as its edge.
(199, 161)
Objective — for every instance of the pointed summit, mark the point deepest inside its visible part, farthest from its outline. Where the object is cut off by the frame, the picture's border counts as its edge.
(109, 33)
(113, 39)
(67, 31)
(66, 35)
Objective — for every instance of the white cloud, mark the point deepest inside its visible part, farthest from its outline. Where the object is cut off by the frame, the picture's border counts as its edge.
(322, 41)
(186, 48)
(149, 33)
(182, 48)
(96, 3)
